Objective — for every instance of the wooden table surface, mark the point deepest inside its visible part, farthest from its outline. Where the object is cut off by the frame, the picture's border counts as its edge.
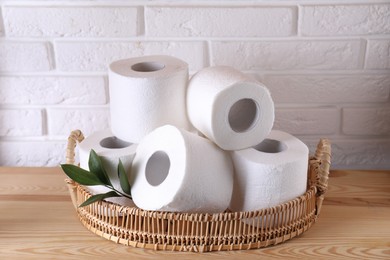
(38, 221)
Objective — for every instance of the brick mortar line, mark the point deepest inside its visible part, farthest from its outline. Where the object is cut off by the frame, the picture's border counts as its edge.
(366, 47)
(328, 105)
(208, 54)
(363, 53)
(321, 72)
(141, 21)
(106, 92)
(42, 138)
(145, 38)
(185, 3)
(45, 128)
(283, 106)
(2, 29)
(306, 137)
(54, 73)
(51, 106)
(341, 120)
(299, 21)
(51, 55)
(363, 72)
(308, 104)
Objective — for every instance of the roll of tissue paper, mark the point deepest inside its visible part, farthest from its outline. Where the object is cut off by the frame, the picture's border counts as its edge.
(178, 171)
(270, 173)
(230, 108)
(145, 93)
(110, 149)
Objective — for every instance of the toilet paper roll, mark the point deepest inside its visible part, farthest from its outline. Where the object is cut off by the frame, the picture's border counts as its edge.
(110, 149)
(145, 93)
(230, 108)
(270, 173)
(178, 171)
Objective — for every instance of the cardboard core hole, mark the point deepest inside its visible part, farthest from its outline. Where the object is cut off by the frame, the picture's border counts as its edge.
(113, 143)
(243, 115)
(147, 66)
(270, 146)
(157, 168)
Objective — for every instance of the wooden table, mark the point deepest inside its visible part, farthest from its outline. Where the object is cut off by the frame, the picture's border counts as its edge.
(38, 221)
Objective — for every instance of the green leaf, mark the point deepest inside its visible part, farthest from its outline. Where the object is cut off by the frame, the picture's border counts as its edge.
(98, 197)
(96, 167)
(123, 180)
(80, 175)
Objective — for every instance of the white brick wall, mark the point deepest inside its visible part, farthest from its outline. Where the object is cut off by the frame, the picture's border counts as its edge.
(326, 63)
(21, 122)
(366, 121)
(330, 89)
(50, 90)
(363, 19)
(61, 121)
(97, 55)
(32, 153)
(288, 54)
(84, 21)
(307, 121)
(17, 56)
(378, 54)
(195, 21)
(358, 153)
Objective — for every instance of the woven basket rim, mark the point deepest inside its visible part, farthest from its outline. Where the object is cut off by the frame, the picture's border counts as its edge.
(278, 223)
(227, 214)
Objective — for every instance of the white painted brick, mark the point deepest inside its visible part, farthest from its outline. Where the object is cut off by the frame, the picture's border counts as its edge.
(345, 19)
(307, 121)
(366, 121)
(357, 153)
(96, 56)
(32, 153)
(82, 21)
(52, 90)
(226, 21)
(360, 132)
(88, 120)
(328, 88)
(282, 55)
(378, 54)
(24, 56)
(21, 122)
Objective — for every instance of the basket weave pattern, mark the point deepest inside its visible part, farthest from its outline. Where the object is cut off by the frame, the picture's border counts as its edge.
(204, 232)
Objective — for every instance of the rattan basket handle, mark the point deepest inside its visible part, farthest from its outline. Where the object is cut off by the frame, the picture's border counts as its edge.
(323, 154)
(75, 137)
(319, 171)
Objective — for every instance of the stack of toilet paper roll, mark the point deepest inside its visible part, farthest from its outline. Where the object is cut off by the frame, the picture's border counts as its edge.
(201, 145)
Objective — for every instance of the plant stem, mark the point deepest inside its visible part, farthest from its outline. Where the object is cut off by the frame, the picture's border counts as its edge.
(119, 192)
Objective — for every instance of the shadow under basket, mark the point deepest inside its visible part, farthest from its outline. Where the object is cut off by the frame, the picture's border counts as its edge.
(204, 232)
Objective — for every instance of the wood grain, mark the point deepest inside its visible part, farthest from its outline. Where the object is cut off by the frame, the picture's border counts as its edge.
(38, 221)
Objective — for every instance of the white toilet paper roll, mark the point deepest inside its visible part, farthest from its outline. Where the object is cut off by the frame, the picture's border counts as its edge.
(270, 173)
(145, 93)
(230, 108)
(110, 149)
(178, 171)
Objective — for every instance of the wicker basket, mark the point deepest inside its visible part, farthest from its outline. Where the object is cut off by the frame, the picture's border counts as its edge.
(204, 232)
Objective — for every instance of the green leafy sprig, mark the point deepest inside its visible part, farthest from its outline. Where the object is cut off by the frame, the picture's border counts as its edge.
(98, 176)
